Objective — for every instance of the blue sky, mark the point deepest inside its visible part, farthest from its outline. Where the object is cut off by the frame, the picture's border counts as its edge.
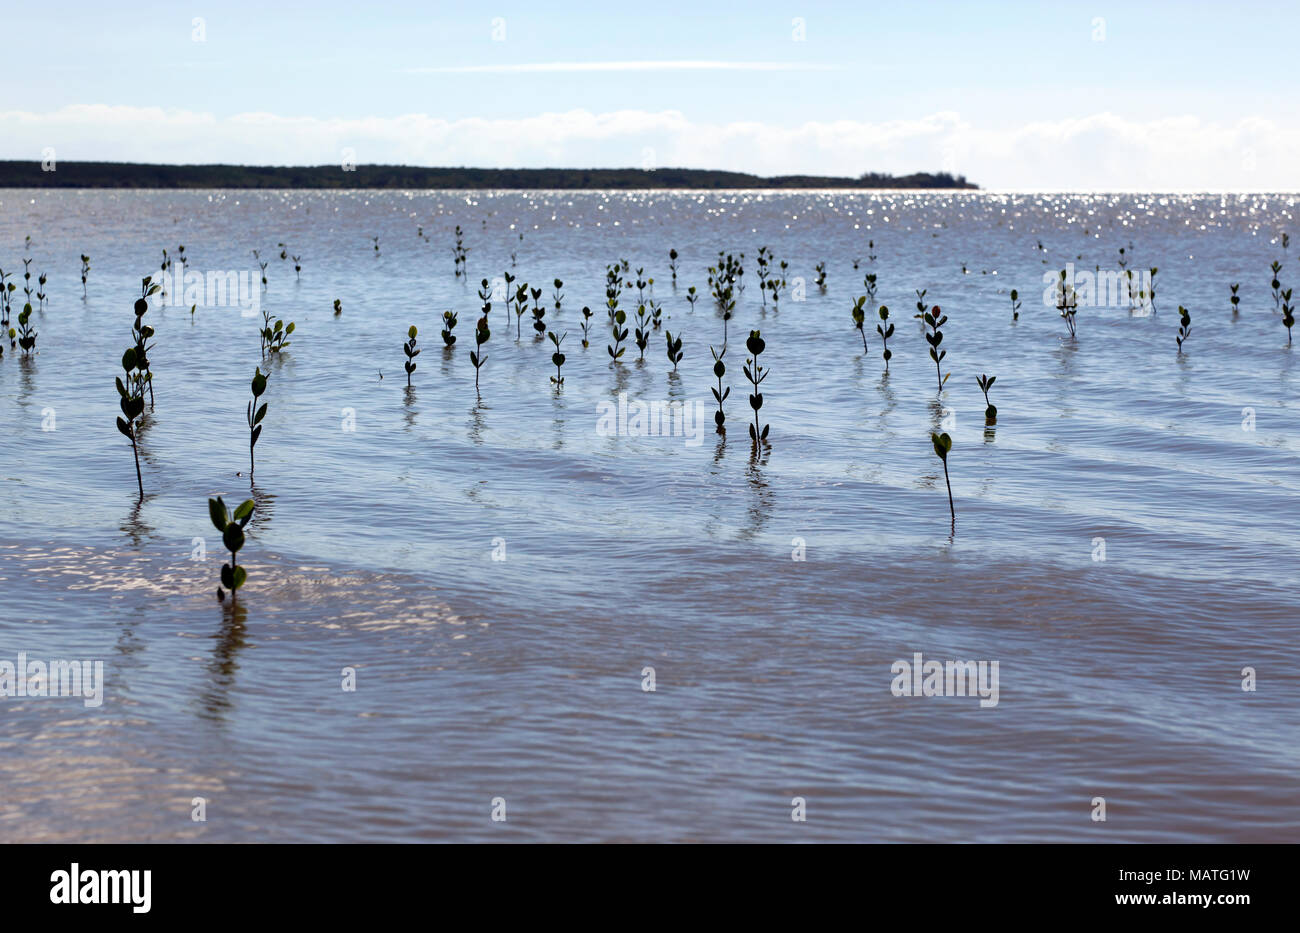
(1012, 94)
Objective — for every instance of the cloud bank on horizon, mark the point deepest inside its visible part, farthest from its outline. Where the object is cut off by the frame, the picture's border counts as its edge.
(1101, 151)
(1153, 94)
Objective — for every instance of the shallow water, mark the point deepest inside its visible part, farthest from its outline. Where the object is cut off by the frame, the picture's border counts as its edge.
(521, 678)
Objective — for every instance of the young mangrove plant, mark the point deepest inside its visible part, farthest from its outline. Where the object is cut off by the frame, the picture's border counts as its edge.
(85, 273)
(557, 357)
(1276, 285)
(255, 416)
(1067, 302)
(411, 353)
(141, 332)
(1184, 326)
(618, 332)
(692, 296)
(338, 307)
(943, 444)
(990, 411)
(1015, 305)
(934, 319)
(297, 268)
(885, 330)
(642, 331)
(871, 250)
(521, 305)
(820, 281)
(1235, 299)
(130, 389)
(869, 283)
(720, 370)
(448, 325)
(558, 294)
(674, 349)
(275, 337)
(755, 373)
(477, 356)
(1288, 314)
(860, 319)
(539, 325)
(1148, 295)
(231, 528)
(764, 271)
(921, 307)
(460, 252)
(40, 294)
(586, 326)
(375, 239)
(672, 264)
(25, 335)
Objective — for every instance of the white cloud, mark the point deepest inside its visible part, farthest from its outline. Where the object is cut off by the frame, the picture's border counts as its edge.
(552, 67)
(1097, 151)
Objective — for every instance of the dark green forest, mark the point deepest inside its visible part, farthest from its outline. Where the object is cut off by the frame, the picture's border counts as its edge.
(140, 175)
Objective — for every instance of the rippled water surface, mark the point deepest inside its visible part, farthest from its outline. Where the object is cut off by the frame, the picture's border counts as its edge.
(522, 679)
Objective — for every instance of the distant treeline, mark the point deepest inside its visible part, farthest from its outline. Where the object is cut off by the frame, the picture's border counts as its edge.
(139, 175)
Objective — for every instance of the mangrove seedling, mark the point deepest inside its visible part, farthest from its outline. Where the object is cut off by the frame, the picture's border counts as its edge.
(477, 356)
(885, 330)
(521, 305)
(538, 312)
(284, 251)
(297, 268)
(557, 357)
(26, 336)
(860, 319)
(674, 349)
(934, 319)
(1015, 305)
(448, 325)
(558, 294)
(231, 528)
(376, 242)
(586, 326)
(85, 273)
(1235, 299)
(40, 294)
(921, 307)
(943, 444)
(672, 263)
(141, 332)
(1149, 294)
(338, 307)
(1288, 314)
(691, 297)
(871, 250)
(720, 370)
(1275, 284)
(619, 333)
(130, 389)
(821, 276)
(1067, 301)
(869, 283)
(411, 353)
(255, 415)
(275, 337)
(460, 252)
(1184, 326)
(991, 411)
(642, 331)
(755, 373)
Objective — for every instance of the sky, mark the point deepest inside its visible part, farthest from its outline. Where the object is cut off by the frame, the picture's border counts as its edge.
(1096, 95)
